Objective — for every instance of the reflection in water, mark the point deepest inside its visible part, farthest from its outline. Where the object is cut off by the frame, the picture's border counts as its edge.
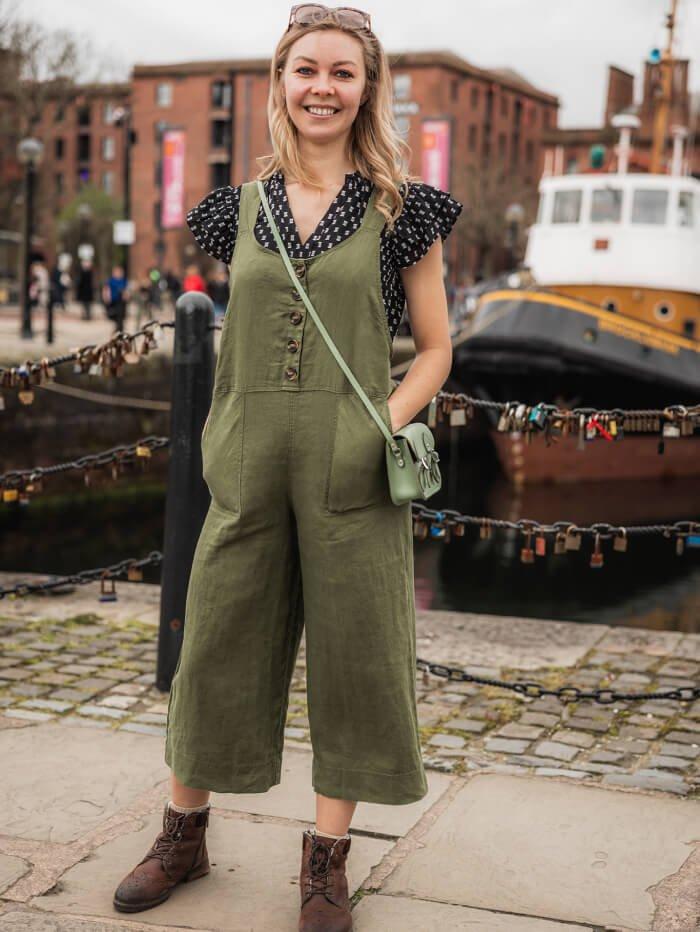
(648, 587)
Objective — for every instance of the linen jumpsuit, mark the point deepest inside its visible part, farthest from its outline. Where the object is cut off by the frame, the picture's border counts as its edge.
(300, 532)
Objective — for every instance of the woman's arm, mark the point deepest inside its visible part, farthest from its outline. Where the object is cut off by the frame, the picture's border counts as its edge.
(426, 304)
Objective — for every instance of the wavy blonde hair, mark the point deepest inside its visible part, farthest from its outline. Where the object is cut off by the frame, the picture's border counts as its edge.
(376, 148)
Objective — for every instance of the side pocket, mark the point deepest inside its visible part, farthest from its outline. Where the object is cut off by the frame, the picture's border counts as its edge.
(357, 467)
(222, 449)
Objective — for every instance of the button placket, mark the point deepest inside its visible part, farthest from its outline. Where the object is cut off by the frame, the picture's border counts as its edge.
(291, 372)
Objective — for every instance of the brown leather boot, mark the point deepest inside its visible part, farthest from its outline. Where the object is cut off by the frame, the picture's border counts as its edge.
(178, 854)
(325, 906)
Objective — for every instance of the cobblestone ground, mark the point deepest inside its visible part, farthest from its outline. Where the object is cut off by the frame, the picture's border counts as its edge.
(91, 672)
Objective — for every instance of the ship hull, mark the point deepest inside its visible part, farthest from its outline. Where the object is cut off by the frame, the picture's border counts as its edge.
(534, 346)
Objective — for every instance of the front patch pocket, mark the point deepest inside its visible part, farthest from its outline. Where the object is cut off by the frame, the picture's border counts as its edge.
(357, 467)
(222, 449)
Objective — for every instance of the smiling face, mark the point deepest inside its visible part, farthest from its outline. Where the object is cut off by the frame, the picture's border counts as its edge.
(324, 69)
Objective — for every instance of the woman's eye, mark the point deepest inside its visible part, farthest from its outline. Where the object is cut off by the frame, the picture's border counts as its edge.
(340, 70)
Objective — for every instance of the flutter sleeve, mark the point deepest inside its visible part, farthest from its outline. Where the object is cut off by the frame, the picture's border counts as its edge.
(427, 213)
(214, 222)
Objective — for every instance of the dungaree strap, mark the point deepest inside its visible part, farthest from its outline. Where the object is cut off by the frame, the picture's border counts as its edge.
(248, 207)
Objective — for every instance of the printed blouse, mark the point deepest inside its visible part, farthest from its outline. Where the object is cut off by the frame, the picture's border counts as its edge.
(427, 212)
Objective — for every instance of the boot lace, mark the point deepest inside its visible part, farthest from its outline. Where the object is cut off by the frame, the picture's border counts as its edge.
(172, 833)
(319, 866)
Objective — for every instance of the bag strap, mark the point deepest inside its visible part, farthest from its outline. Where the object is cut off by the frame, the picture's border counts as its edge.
(324, 333)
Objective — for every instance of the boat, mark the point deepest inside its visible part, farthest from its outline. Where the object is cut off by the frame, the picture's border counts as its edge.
(604, 314)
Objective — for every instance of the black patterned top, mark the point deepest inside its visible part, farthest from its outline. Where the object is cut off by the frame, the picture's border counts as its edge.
(427, 213)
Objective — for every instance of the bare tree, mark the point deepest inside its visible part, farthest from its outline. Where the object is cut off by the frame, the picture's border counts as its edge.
(486, 192)
(36, 65)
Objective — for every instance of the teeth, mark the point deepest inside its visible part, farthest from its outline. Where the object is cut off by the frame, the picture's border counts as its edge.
(321, 110)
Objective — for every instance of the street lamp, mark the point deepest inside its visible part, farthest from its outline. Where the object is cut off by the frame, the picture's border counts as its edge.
(514, 216)
(29, 153)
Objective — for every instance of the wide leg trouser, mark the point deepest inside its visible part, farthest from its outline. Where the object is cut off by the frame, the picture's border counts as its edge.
(275, 558)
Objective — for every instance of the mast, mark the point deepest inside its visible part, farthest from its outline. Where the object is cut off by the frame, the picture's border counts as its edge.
(663, 103)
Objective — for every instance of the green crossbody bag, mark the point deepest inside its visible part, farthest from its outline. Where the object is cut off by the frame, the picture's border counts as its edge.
(411, 457)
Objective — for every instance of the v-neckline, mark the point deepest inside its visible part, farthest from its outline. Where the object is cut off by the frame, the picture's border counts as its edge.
(321, 222)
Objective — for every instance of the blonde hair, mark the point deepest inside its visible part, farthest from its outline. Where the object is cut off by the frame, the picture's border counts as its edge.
(377, 150)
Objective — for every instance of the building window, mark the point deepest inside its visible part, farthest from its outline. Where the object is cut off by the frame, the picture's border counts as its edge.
(606, 205)
(108, 113)
(529, 151)
(108, 182)
(501, 145)
(220, 174)
(156, 215)
(567, 206)
(504, 105)
(473, 138)
(84, 115)
(108, 148)
(572, 165)
(164, 94)
(475, 97)
(84, 147)
(59, 183)
(533, 115)
(402, 86)
(59, 113)
(83, 176)
(59, 149)
(220, 134)
(221, 94)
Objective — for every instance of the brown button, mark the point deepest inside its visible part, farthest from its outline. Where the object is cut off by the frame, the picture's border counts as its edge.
(300, 269)
(291, 373)
(292, 345)
(295, 317)
(296, 295)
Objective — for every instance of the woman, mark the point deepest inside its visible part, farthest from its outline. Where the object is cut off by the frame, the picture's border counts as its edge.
(295, 467)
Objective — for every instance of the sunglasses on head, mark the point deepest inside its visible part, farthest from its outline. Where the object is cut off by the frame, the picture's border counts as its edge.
(306, 14)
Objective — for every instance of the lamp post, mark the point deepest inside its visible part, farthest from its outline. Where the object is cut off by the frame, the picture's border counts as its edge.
(514, 216)
(29, 153)
(122, 116)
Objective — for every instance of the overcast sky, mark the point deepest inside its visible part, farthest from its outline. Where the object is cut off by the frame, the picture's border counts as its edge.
(561, 46)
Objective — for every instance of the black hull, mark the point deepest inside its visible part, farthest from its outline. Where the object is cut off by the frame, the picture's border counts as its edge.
(542, 346)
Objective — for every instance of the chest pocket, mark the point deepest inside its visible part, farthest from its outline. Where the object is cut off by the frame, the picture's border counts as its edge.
(356, 476)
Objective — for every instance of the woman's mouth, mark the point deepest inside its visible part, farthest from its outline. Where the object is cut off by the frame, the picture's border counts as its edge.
(321, 113)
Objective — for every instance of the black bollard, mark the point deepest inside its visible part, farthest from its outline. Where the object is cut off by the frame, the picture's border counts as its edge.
(187, 495)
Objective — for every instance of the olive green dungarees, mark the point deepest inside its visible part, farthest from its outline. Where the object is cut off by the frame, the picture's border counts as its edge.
(300, 532)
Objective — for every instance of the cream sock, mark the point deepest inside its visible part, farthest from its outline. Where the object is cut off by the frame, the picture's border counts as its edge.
(328, 834)
(188, 810)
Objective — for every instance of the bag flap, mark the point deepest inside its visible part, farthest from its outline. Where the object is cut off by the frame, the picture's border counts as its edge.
(419, 438)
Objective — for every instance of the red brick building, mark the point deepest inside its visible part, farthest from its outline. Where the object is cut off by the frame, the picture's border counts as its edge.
(569, 150)
(221, 106)
(453, 115)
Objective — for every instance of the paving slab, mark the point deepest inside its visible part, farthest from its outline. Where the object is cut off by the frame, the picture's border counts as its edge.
(56, 785)
(294, 798)
(466, 639)
(396, 912)
(252, 886)
(554, 849)
(22, 920)
(11, 869)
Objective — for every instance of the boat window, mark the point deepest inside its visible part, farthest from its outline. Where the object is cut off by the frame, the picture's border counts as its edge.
(685, 208)
(567, 206)
(606, 206)
(649, 205)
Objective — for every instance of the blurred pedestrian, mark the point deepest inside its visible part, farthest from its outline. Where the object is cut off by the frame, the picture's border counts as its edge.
(193, 280)
(85, 288)
(114, 294)
(218, 291)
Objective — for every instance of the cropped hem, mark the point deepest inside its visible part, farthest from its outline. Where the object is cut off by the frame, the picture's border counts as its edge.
(196, 772)
(392, 789)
